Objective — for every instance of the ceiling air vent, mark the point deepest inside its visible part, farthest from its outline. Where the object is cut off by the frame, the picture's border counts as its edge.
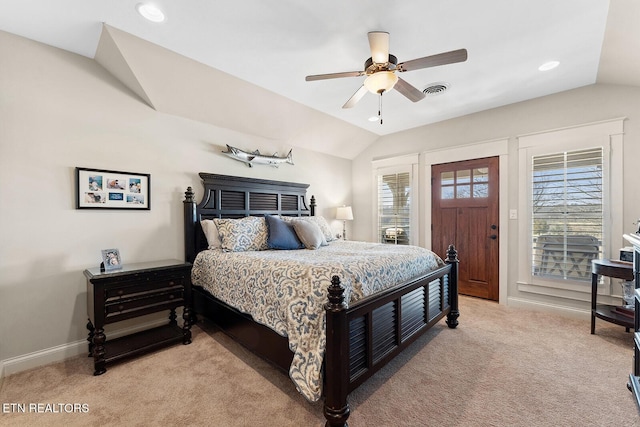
(436, 89)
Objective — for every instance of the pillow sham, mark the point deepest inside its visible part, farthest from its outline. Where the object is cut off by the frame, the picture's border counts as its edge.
(309, 233)
(211, 233)
(242, 234)
(281, 234)
(320, 221)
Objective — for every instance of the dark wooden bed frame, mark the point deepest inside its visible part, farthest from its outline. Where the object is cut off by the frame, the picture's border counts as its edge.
(362, 337)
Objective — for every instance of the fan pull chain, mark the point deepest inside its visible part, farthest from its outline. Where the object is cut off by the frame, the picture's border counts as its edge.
(380, 107)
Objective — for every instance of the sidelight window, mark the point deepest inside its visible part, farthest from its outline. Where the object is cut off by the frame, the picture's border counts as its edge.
(571, 210)
(567, 213)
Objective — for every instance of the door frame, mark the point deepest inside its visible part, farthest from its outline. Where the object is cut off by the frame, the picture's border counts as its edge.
(495, 148)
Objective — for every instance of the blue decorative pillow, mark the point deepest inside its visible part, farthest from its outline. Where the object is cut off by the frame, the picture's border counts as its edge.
(281, 234)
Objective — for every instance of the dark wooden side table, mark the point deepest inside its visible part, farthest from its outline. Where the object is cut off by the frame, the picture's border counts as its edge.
(608, 268)
(133, 291)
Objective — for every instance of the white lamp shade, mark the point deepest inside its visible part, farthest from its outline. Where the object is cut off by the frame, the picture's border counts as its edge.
(382, 81)
(344, 213)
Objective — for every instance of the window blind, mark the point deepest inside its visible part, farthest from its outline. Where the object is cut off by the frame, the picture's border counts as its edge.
(394, 208)
(567, 213)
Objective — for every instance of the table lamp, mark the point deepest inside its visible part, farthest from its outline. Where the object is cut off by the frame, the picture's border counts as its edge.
(345, 214)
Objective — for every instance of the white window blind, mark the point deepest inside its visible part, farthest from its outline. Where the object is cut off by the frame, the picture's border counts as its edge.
(567, 213)
(394, 208)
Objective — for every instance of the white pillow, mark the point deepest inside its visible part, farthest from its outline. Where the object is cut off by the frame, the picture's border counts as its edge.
(211, 233)
(309, 234)
(320, 221)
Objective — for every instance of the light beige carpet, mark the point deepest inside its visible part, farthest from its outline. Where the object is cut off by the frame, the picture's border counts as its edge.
(500, 367)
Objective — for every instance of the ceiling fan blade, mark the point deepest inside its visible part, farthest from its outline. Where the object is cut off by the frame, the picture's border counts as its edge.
(334, 75)
(355, 97)
(408, 90)
(450, 57)
(379, 43)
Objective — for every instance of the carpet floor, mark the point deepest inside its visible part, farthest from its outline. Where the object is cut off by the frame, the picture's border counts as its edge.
(501, 367)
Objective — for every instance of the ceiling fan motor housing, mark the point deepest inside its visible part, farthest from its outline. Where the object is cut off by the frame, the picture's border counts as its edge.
(371, 67)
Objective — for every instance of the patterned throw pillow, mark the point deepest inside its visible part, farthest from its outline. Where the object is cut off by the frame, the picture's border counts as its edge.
(320, 221)
(242, 234)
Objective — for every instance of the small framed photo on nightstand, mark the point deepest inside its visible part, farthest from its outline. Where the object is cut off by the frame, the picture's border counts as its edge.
(111, 259)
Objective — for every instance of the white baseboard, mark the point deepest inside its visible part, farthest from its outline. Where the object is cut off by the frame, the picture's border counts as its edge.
(62, 352)
(549, 308)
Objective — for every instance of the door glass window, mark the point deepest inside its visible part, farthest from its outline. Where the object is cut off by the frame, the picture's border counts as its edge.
(464, 184)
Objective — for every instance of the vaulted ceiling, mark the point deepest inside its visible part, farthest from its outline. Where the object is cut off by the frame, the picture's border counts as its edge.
(225, 62)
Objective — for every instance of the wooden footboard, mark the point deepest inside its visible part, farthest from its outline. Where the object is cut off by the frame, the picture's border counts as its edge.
(362, 338)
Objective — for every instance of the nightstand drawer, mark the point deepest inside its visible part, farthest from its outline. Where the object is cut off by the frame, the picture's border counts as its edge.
(145, 301)
(130, 289)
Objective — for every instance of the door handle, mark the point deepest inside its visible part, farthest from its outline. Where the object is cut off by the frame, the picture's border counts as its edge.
(493, 237)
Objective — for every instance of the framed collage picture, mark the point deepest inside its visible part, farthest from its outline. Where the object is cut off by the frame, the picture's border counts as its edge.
(106, 189)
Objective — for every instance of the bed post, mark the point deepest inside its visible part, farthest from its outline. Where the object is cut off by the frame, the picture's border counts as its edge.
(312, 205)
(452, 259)
(336, 361)
(190, 221)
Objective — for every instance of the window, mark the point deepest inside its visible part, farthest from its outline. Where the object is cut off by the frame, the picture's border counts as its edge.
(394, 208)
(396, 200)
(570, 210)
(567, 213)
(465, 184)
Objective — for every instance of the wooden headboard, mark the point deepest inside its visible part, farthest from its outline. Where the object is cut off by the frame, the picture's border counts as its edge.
(235, 197)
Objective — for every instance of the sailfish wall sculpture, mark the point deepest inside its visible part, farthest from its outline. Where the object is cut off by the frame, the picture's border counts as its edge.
(256, 158)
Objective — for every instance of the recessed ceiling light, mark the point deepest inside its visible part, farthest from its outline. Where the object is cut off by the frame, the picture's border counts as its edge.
(548, 66)
(150, 12)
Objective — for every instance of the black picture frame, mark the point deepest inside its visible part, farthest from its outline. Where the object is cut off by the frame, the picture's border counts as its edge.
(109, 189)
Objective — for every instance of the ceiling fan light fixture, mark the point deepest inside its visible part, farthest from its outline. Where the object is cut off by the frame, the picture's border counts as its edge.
(381, 81)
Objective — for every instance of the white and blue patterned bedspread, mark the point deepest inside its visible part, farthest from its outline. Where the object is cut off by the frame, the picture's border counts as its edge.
(287, 290)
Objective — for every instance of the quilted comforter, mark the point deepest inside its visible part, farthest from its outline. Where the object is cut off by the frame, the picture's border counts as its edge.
(287, 290)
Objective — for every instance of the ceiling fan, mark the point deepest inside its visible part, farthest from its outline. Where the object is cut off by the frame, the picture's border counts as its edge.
(382, 68)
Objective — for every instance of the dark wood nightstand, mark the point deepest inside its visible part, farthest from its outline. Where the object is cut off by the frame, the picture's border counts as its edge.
(133, 291)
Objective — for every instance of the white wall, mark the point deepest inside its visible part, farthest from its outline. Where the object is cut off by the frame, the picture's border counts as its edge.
(584, 105)
(58, 111)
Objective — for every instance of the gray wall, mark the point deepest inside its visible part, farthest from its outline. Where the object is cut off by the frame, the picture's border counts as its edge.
(59, 110)
(584, 105)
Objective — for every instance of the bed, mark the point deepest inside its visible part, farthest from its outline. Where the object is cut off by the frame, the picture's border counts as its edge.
(363, 328)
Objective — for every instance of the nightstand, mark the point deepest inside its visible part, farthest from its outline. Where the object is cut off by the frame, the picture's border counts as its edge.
(133, 291)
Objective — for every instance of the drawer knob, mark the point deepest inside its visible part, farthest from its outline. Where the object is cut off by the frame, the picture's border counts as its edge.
(120, 292)
(172, 296)
(121, 307)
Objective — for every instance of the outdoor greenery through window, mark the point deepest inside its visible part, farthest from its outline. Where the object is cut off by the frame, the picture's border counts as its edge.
(394, 208)
(567, 213)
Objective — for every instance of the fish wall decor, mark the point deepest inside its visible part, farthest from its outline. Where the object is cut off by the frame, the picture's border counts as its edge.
(256, 158)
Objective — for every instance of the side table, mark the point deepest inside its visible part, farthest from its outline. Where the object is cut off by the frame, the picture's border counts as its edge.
(608, 268)
(130, 292)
